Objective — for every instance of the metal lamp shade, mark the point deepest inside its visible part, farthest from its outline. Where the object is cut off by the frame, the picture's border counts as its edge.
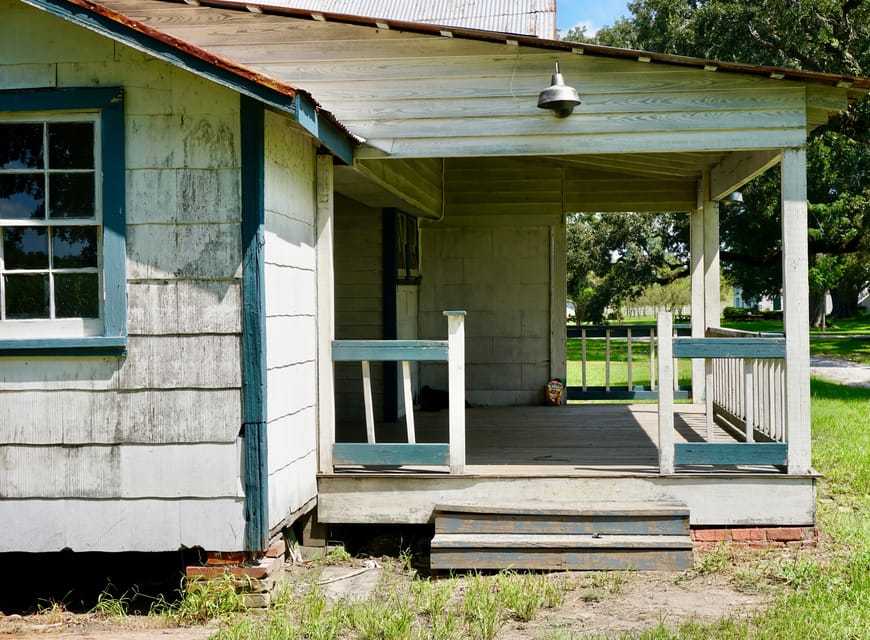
(558, 97)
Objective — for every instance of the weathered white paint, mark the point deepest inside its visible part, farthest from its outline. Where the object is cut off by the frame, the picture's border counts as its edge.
(121, 471)
(183, 196)
(795, 293)
(109, 417)
(358, 302)
(121, 525)
(501, 276)
(456, 388)
(180, 307)
(367, 400)
(162, 421)
(558, 296)
(665, 331)
(408, 402)
(715, 499)
(418, 182)
(696, 269)
(325, 311)
(407, 321)
(738, 168)
(291, 326)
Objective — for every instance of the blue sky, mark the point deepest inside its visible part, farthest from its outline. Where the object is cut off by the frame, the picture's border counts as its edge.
(592, 13)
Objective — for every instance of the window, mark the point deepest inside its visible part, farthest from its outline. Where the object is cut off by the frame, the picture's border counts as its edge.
(62, 249)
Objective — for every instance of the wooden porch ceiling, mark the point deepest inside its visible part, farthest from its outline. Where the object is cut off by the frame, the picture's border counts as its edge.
(572, 440)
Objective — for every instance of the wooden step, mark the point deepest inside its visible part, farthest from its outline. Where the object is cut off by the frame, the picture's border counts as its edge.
(561, 552)
(559, 535)
(564, 518)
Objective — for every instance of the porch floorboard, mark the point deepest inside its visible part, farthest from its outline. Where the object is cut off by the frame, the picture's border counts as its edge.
(571, 440)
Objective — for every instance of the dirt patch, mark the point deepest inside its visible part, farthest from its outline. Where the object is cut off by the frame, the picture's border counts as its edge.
(595, 602)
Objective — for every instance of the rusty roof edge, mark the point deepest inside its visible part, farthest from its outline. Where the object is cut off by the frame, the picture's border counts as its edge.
(832, 79)
(218, 61)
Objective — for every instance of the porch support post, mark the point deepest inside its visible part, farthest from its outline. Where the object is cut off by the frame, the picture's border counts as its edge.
(711, 289)
(696, 258)
(456, 388)
(795, 293)
(558, 296)
(325, 313)
(666, 393)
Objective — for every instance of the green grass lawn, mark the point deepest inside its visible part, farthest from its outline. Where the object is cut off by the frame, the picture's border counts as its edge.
(823, 595)
(595, 367)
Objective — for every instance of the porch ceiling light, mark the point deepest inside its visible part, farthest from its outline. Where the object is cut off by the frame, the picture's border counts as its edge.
(558, 97)
(732, 198)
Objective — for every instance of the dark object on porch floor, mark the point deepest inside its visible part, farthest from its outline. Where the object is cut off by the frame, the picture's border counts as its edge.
(433, 399)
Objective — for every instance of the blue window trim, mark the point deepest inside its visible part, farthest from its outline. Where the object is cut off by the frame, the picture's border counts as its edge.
(109, 101)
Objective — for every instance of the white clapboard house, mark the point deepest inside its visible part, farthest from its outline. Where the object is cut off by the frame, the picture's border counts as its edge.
(230, 230)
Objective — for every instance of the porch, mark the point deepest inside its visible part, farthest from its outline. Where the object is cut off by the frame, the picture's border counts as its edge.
(569, 440)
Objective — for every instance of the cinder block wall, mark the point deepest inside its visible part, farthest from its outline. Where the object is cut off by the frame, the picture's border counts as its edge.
(500, 275)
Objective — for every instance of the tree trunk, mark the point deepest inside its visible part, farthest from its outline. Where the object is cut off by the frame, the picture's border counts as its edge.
(817, 309)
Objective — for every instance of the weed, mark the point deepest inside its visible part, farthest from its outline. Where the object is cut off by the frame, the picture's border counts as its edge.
(592, 594)
(210, 599)
(714, 561)
(54, 611)
(522, 594)
(111, 606)
(336, 554)
(554, 590)
(480, 608)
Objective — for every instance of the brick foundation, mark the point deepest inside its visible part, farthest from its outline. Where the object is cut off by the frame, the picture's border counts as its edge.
(755, 536)
(257, 581)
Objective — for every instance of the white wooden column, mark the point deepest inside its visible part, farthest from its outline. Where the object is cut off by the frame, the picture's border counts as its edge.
(696, 262)
(795, 294)
(711, 290)
(666, 393)
(456, 388)
(325, 313)
(558, 296)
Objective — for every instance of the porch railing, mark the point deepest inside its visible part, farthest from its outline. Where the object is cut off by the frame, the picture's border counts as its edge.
(734, 381)
(637, 342)
(373, 453)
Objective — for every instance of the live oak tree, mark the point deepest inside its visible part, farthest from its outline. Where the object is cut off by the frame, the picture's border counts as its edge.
(824, 35)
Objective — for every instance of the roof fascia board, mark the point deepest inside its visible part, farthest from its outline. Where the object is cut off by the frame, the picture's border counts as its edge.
(859, 86)
(327, 132)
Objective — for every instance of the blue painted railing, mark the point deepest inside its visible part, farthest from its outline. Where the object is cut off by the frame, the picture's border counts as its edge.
(394, 454)
(738, 399)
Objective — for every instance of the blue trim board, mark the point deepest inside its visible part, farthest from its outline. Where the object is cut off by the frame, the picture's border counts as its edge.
(325, 131)
(761, 348)
(390, 454)
(731, 453)
(109, 101)
(395, 350)
(252, 116)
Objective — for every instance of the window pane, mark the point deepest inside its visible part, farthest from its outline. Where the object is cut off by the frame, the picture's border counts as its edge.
(22, 197)
(20, 146)
(74, 247)
(26, 296)
(75, 295)
(25, 248)
(70, 145)
(72, 195)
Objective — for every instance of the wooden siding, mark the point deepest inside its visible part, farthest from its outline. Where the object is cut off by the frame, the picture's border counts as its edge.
(358, 305)
(500, 274)
(137, 452)
(291, 327)
(420, 95)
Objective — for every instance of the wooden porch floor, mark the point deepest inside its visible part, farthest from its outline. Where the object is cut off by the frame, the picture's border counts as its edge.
(571, 440)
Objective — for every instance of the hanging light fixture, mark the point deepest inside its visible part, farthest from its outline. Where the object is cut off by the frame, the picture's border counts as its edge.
(558, 97)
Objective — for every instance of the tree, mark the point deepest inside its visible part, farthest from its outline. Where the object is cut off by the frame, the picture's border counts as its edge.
(825, 35)
(614, 257)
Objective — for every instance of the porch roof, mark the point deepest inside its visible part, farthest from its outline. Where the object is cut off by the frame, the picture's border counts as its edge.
(424, 97)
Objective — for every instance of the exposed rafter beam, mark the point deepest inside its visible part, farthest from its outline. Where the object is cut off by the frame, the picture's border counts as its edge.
(738, 168)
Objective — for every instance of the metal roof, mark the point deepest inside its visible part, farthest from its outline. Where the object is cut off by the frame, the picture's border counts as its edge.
(527, 17)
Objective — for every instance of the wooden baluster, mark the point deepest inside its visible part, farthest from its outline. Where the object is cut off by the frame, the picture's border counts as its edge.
(666, 394)
(456, 388)
(409, 401)
(367, 398)
(628, 336)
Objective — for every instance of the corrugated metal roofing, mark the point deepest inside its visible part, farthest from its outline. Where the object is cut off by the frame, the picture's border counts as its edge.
(528, 17)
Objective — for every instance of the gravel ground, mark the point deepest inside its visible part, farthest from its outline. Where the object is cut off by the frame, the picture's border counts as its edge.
(840, 371)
